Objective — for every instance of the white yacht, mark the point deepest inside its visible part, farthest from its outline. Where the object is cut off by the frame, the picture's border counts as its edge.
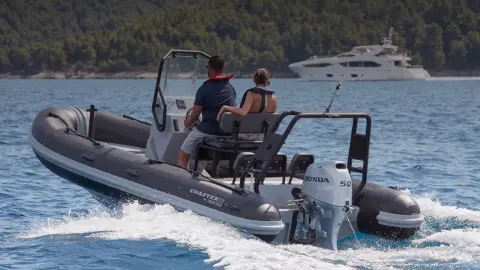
(370, 62)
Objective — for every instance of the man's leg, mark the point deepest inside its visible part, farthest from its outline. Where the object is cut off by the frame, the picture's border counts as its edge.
(188, 147)
(182, 160)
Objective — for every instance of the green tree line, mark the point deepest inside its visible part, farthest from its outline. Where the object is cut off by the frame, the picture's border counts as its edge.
(439, 34)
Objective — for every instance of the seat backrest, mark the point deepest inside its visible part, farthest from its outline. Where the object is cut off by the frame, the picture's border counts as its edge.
(250, 123)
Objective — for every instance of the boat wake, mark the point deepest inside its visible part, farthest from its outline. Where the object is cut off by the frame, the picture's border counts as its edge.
(450, 236)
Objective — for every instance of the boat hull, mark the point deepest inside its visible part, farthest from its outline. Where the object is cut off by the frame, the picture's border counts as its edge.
(116, 176)
(386, 212)
(126, 176)
(340, 73)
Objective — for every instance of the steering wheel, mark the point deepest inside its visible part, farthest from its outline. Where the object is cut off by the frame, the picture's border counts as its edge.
(189, 114)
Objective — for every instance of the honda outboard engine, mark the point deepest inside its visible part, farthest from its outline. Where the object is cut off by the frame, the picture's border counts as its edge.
(324, 201)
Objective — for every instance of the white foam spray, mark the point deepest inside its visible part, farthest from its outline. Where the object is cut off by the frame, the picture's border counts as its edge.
(225, 245)
(231, 249)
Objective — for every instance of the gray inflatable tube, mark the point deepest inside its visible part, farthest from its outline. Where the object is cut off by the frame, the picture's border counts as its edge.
(58, 137)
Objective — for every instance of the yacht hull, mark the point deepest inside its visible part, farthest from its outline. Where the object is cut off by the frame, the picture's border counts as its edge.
(339, 73)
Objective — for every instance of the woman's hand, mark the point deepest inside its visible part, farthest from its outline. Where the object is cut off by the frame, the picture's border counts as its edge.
(222, 110)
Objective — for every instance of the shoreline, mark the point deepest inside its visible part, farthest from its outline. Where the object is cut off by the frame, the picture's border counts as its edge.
(153, 75)
(81, 75)
(108, 75)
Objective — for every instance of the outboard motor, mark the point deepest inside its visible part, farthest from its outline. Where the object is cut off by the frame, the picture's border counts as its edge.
(324, 201)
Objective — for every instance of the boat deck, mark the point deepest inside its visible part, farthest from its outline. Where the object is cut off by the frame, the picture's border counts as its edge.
(271, 188)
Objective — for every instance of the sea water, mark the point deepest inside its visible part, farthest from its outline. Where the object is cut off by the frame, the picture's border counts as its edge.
(425, 140)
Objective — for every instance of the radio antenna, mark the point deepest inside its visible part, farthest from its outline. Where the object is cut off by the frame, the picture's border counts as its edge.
(334, 94)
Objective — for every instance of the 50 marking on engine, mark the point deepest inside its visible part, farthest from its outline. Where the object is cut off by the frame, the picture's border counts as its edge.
(345, 183)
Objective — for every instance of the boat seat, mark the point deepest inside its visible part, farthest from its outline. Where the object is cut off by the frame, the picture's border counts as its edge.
(278, 164)
(228, 147)
(299, 164)
(230, 144)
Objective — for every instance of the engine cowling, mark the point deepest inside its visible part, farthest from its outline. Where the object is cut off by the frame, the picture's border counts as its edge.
(325, 197)
(328, 182)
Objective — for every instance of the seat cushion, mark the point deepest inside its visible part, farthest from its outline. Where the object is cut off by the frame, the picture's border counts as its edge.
(250, 123)
(230, 144)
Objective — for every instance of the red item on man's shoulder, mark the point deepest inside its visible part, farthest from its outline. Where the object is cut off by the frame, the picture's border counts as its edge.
(221, 78)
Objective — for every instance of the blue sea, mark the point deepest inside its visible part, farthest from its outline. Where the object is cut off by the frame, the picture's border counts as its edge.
(425, 141)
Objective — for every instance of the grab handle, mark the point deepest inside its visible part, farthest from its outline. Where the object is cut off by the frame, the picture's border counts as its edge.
(88, 157)
(132, 173)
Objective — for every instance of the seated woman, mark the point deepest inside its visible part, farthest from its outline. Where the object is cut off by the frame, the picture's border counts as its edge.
(257, 99)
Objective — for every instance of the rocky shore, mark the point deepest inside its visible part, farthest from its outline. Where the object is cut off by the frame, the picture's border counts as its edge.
(104, 75)
(153, 75)
(81, 75)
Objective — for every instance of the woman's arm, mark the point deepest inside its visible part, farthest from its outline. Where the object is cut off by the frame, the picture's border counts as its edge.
(240, 111)
(275, 103)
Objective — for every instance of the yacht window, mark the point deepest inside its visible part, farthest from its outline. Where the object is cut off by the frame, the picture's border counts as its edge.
(345, 64)
(370, 64)
(354, 75)
(317, 65)
(386, 51)
(355, 64)
(345, 55)
(329, 75)
(397, 63)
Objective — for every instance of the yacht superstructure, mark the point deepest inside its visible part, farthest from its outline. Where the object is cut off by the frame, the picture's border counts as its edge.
(369, 62)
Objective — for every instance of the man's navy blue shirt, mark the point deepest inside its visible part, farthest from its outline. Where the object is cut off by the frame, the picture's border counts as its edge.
(212, 95)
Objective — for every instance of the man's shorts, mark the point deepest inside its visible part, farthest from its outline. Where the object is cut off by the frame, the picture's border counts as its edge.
(194, 137)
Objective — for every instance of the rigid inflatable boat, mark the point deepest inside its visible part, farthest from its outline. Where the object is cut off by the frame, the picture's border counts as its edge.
(248, 184)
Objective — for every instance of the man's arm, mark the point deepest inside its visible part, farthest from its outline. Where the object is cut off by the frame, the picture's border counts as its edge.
(194, 116)
(197, 108)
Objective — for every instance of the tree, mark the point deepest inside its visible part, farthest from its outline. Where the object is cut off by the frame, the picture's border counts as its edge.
(474, 48)
(58, 60)
(5, 65)
(19, 57)
(457, 55)
(48, 34)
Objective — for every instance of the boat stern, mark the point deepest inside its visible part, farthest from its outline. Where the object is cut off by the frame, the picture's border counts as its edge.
(418, 73)
(388, 212)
